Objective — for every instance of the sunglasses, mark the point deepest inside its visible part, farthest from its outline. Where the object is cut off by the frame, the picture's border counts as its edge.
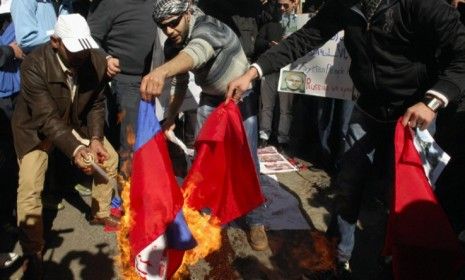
(171, 24)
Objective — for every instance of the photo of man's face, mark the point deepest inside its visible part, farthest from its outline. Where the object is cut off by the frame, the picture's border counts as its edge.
(294, 82)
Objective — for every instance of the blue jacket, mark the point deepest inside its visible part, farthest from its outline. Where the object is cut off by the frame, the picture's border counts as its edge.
(35, 20)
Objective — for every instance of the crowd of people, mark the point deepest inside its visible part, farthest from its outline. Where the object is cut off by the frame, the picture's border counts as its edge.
(72, 73)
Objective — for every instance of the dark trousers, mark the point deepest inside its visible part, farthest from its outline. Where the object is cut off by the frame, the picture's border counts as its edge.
(8, 162)
(123, 110)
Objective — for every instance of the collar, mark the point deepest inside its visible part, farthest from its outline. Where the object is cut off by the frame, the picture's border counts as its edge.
(196, 12)
(55, 73)
(65, 69)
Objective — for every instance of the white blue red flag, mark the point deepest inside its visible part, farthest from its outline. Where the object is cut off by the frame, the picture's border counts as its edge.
(158, 234)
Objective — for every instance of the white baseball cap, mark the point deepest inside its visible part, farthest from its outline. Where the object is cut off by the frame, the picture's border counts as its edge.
(5, 6)
(75, 33)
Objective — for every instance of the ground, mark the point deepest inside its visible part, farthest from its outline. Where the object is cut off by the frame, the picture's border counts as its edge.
(76, 250)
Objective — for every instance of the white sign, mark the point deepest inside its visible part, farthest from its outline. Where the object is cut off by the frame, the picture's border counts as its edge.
(323, 72)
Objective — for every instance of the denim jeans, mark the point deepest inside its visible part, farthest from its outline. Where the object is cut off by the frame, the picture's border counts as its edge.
(369, 158)
(269, 92)
(333, 116)
(207, 106)
(123, 109)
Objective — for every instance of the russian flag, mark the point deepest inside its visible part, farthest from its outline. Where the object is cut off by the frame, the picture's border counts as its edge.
(159, 234)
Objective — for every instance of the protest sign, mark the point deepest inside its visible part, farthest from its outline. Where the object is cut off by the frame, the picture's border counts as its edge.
(323, 72)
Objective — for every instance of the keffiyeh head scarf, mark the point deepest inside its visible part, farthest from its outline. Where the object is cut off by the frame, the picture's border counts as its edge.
(165, 8)
(369, 7)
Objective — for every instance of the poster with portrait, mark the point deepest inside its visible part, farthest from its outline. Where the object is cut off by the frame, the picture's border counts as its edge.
(271, 161)
(323, 72)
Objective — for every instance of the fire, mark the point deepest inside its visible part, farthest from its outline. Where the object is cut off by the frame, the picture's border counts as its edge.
(206, 230)
(124, 262)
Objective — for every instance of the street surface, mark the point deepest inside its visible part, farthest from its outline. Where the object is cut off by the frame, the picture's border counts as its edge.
(299, 214)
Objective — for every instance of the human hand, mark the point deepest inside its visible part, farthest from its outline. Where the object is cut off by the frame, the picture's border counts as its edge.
(19, 54)
(168, 125)
(113, 67)
(82, 158)
(97, 148)
(272, 43)
(238, 86)
(152, 84)
(418, 115)
(455, 3)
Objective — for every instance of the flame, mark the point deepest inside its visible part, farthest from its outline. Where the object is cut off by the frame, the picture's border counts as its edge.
(206, 230)
(123, 261)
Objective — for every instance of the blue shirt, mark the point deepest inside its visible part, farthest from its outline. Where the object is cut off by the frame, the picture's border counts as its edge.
(9, 71)
(288, 22)
(35, 21)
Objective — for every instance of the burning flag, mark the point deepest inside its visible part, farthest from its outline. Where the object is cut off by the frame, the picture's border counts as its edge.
(419, 236)
(223, 177)
(158, 233)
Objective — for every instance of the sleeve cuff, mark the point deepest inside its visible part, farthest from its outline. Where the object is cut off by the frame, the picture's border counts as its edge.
(438, 95)
(259, 69)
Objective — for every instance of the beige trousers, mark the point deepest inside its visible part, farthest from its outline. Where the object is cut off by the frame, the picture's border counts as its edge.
(32, 168)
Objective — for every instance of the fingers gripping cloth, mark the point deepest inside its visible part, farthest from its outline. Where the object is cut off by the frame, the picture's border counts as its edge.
(165, 8)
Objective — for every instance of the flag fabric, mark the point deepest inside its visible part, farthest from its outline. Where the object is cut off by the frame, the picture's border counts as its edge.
(419, 236)
(223, 177)
(158, 233)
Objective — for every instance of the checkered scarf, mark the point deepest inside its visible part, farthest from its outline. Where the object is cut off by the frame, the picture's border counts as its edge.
(165, 8)
(369, 7)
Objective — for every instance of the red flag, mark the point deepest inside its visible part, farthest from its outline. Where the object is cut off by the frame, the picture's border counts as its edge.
(419, 236)
(223, 176)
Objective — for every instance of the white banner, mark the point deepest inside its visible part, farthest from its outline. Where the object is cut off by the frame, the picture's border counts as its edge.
(323, 72)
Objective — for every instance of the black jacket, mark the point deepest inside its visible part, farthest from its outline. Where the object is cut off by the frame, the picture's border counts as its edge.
(407, 48)
(271, 31)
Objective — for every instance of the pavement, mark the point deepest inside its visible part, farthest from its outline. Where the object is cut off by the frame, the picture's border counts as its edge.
(299, 207)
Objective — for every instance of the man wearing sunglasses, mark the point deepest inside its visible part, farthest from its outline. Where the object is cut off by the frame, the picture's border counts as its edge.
(212, 51)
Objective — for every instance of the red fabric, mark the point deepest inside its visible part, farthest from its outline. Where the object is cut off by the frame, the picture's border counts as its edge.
(155, 196)
(223, 176)
(419, 236)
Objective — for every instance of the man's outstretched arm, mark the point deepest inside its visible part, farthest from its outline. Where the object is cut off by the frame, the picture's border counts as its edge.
(152, 84)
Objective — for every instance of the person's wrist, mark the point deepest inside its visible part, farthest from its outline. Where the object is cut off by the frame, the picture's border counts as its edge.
(433, 102)
(96, 138)
(252, 74)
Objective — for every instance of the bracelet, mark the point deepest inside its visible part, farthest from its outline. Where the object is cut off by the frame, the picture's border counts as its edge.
(433, 103)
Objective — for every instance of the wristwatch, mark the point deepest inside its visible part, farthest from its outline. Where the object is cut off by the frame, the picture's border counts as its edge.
(433, 103)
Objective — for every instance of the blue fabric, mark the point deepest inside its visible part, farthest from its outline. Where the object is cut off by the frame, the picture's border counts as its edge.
(147, 122)
(9, 73)
(178, 235)
(33, 19)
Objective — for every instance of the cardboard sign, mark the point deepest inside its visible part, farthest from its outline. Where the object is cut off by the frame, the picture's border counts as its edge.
(323, 72)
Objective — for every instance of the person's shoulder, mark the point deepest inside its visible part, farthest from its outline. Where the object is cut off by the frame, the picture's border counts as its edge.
(36, 58)
(206, 26)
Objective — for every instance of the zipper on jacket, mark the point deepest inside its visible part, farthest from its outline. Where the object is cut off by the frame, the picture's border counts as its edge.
(356, 10)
